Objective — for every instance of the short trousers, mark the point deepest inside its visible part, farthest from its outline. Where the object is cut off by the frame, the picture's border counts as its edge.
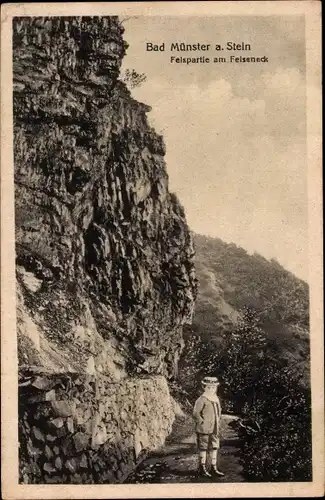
(208, 441)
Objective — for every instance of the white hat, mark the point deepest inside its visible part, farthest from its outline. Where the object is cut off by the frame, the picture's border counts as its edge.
(210, 381)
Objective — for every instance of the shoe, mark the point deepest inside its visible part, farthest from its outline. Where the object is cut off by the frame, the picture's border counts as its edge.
(203, 471)
(216, 472)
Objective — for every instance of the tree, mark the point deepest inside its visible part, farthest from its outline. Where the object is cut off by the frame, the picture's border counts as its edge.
(241, 361)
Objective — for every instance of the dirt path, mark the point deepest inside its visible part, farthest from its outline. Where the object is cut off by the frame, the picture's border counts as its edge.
(177, 462)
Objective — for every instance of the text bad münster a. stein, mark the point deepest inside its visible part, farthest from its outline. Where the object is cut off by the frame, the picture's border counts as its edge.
(186, 47)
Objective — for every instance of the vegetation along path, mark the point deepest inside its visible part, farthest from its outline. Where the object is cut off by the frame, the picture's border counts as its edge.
(177, 461)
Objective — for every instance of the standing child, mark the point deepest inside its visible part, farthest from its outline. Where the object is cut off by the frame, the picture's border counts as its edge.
(207, 416)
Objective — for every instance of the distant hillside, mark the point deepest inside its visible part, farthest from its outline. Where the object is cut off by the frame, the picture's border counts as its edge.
(230, 279)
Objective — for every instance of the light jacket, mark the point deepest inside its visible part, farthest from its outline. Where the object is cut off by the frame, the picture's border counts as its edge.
(206, 419)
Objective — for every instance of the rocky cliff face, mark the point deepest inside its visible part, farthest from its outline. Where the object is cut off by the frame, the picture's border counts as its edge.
(105, 272)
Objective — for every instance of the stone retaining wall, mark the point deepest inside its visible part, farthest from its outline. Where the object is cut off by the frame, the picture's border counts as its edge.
(81, 429)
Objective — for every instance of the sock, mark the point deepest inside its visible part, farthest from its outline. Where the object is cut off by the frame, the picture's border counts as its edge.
(214, 454)
(203, 457)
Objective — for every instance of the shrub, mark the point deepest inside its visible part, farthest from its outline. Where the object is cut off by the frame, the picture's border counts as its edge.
(132, 78)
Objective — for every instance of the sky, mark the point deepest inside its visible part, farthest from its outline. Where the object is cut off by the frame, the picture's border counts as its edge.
(235, 134)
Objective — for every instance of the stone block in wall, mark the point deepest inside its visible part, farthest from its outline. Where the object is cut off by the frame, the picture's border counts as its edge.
(58, 463)
(43, 383)
(63, 408)
(48, 452)
(67, 446)
(35, 452)
(38, 397)
(38, 434)
(56, 423)
(61, 432)
(51, 438)
(71, 465)
(48, 468)
(83, 461)
(70, 425)
(81, 441)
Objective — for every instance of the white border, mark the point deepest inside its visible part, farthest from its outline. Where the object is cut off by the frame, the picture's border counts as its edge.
(10, 487)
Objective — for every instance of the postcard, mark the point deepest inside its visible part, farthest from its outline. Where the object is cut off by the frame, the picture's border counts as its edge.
(161, 240)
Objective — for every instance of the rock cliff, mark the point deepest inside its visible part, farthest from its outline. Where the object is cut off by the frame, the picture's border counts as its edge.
(105, 271)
